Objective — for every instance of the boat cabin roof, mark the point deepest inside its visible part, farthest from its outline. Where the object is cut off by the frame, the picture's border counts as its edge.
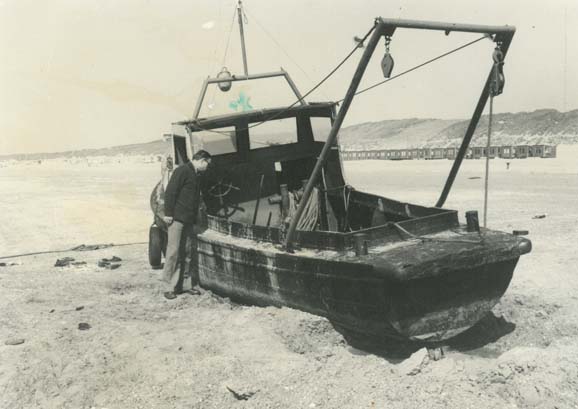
(315, 109)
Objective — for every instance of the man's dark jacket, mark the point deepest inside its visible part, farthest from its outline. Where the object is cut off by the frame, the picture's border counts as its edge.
(183, 194)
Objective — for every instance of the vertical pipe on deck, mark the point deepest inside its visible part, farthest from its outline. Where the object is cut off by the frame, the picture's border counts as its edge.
(488, 145)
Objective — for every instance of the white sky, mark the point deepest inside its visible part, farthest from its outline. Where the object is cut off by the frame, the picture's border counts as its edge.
(93, 73)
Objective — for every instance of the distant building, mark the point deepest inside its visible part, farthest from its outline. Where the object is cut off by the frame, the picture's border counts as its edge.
(426, 153)
(451, 153)
(476, 152)
(549, 151)
(493, 152)
(522, 151)
(438, 153)
(507, 152)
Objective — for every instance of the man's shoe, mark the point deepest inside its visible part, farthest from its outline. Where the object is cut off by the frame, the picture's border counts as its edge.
(170, 295)
(192, 291)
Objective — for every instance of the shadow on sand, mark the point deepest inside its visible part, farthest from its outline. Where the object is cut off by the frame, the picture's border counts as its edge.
(475, 341)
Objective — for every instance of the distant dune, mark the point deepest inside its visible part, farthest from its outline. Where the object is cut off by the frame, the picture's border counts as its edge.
(544, 126)
(137, 149)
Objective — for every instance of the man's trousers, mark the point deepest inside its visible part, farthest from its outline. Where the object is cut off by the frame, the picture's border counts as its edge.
(181, 240)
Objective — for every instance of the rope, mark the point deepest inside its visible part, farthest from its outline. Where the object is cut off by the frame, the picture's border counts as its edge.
(488, 160)
(310, 215)
(76, 248)
(346, 188)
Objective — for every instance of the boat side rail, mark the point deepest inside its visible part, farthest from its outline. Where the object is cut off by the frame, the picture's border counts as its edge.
(338, 241)
(403, 209)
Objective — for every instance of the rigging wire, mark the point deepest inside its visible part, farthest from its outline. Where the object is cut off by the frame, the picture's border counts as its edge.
(213, 66)
(359, 92)
(226, 51)
(419, 66)
(306, 94)
(214, 59)
(343, 61)
(280, 47)
(229, 36)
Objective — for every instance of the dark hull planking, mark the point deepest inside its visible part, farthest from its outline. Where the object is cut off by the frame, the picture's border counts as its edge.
(445, 289)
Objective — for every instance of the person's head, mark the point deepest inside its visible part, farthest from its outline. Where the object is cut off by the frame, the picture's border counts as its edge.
(201, 160)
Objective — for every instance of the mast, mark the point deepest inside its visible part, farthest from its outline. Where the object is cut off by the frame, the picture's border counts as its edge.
(240, 14)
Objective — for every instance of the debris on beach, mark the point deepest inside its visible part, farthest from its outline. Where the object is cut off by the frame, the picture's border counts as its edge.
(90, 247)
(241, 395)
(110, 263)
(3, 264)
(14, 341)
(68, 261)
(63, 262)
(540, 216)
(83, 326)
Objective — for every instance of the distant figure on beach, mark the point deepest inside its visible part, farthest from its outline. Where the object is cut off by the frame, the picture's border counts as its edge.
(182, 200)
(507, 165)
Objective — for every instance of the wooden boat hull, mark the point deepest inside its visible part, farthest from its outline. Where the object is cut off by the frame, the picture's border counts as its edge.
(369, 296)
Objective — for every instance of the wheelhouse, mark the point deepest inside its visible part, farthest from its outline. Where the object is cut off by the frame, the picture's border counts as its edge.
(255, 159)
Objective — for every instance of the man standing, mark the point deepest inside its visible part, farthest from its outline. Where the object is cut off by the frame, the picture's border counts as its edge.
(182, 199)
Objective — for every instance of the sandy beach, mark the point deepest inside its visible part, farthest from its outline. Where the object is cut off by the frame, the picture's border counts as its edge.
(142, 351)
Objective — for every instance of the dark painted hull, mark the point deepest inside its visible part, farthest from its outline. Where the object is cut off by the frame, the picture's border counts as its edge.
(369, 295)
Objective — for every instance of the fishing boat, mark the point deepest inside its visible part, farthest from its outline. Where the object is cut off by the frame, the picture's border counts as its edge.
(282, 227)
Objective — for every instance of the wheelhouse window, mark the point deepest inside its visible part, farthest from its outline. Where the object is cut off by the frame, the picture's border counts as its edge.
(274, 132)
(216, 141)
(321, 128)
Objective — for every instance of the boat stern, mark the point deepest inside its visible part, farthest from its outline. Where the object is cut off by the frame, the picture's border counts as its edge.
(444, 284)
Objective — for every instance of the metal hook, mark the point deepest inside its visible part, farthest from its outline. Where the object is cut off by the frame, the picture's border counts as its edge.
(387, 42)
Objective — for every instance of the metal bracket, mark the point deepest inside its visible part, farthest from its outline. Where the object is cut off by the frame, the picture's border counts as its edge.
(235, 78)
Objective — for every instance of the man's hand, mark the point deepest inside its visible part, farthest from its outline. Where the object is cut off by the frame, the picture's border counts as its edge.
(168, 220)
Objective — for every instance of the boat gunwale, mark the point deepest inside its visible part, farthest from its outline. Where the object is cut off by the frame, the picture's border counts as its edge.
(339, 241)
